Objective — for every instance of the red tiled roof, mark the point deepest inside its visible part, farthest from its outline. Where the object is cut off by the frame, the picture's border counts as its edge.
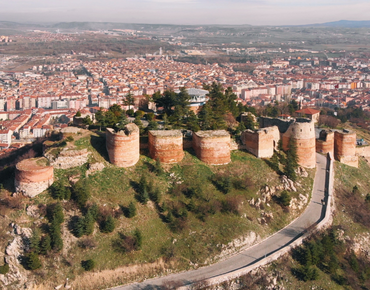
(308, 111)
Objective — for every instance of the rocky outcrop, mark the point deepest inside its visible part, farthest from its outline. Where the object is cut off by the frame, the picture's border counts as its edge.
(94, 167)
(13, 252)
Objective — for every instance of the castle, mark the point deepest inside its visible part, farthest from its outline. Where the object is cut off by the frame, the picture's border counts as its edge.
(212, 147)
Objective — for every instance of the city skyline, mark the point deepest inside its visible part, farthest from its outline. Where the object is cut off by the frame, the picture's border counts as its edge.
(199, 12)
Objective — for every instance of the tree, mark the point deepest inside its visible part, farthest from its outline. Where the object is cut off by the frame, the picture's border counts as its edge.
(285, 198)
(108, 225)
(81, 193)
(131, 212)
(129, 100)
(87, 121)
(89, 223)
(291, 163)
(32, 261)
(78, 114)
(45, 245)
(192, 122)
(35, 241)
(166, 101)
(54, 212)
(55, 236)
(138, 239)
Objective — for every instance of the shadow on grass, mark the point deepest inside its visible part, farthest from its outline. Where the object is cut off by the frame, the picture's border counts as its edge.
(98, 142)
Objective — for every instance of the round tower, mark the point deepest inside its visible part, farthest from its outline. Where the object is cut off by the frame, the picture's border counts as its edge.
(33, 176)
(212, 147)
(303, 132)
(345, 147)
(166, 146)
(123, 146)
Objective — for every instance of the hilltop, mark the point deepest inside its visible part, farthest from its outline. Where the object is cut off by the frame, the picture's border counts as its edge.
(194, 214)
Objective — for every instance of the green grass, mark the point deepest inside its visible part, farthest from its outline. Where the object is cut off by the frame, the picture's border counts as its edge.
(202, 237)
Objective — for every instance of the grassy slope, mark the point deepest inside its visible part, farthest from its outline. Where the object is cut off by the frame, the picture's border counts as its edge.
(202, 238)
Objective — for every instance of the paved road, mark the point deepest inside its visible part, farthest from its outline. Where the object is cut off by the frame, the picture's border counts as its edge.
(314, 213)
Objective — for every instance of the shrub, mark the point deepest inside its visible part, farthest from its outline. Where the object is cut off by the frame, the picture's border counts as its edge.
(231, 205)
(88, 265)
(59, 191)
(108, 225)
(4, 269)
(94, 211)
(155, 196)
(69, 139)
(284, 199)
(32, 261)
(87, 243)
(80, 193)
(131, 211)
(55, 212)
(138, 239)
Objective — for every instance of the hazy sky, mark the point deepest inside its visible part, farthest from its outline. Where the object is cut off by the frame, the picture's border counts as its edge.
(255, 12)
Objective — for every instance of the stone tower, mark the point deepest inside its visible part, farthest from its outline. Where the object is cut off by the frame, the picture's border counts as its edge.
(303, 132)
(33, 176)
(123, 146)
(345, 147)
(166, 146)
(212, 147)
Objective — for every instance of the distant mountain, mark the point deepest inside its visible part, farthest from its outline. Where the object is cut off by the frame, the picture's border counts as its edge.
(343, 23)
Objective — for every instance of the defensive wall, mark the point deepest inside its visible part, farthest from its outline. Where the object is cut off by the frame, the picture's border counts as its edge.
(325, 142)
(33, 176)
(261, 143)
(212, 147)
(282, 124)
(345, 147)
(166, 145)
(123, 146)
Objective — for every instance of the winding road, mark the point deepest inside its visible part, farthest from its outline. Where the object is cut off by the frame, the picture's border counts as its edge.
(314, 213)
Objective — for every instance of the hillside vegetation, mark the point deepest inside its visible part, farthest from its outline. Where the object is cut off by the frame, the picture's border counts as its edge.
(162, 217)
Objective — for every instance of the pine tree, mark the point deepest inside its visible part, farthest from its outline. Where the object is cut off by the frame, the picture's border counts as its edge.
(55, 236)
(108, 225)
(78, 227)
(33, 261)
(35, 241)
(131, 210)
(45, 245)
(81, 193)
(291, 163)
(138, 239)
(89, 223)
(55, 212)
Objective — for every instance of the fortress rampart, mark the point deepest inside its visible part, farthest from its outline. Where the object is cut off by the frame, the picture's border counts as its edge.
(166, 146)
(33, 176)
(123, 147)
(261, 143)
(345, 147)
(325, 142)
(212, 147)
(303, 132)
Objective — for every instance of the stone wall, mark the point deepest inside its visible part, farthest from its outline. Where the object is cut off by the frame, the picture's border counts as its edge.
(363, 151)
(325, 142)
(68, 158)
(33, 176)
(345, 147)
(212, 147)
(261, 143)
(166, 145)
(123, 147)
(303, 132)
(282, 124)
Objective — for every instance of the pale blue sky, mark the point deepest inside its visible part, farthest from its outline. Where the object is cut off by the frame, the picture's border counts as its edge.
(263, 12)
